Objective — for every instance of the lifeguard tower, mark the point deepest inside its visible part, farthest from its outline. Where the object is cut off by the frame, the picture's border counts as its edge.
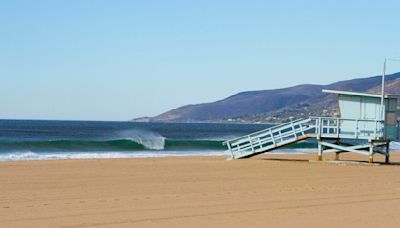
(366, 125)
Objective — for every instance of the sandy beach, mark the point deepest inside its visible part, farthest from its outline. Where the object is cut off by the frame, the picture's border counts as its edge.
(265, 191)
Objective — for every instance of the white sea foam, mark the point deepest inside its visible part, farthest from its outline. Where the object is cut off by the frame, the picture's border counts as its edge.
(395, 146)
(150, 140)
(29, 155)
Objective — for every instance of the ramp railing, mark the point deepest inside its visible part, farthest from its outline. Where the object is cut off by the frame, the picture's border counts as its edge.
(335, 127)
(269, 139)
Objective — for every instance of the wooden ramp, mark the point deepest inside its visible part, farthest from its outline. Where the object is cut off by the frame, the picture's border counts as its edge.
(270, 138)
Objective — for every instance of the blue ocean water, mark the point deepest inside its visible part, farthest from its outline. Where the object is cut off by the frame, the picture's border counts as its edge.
(36, 140)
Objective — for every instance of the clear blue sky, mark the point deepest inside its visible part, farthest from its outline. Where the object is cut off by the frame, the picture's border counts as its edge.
(115, 60)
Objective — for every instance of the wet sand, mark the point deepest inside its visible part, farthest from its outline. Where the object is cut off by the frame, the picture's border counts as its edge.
(265, 191)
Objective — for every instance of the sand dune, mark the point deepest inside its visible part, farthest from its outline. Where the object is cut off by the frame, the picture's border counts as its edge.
(266, 191)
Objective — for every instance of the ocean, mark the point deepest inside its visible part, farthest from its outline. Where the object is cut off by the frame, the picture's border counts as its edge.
(44, 140)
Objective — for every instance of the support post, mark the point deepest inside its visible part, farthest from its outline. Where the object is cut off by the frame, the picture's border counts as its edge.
(337, 156)
(337, 153)
(387, 152)
(371, 153)
(319, 158)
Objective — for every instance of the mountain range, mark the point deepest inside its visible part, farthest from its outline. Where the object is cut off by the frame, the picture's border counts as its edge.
(276, 105)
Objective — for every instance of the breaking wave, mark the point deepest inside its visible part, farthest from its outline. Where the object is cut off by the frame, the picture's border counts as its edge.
(137, 144)
(110, 145)
(148, 139)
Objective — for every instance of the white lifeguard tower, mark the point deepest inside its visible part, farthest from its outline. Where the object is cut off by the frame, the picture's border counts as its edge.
(366, 125)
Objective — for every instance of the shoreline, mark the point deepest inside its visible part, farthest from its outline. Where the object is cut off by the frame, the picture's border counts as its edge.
(105, 155)
(66, 155)
(268, 190)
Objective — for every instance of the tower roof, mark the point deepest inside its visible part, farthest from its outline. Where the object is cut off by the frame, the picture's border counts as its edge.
(359, 94)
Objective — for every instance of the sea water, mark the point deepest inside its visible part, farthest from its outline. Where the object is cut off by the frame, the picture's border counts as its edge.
(43, 140)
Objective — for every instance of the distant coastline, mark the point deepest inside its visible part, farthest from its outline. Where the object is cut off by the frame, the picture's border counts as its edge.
(273, 106)
(149, 120)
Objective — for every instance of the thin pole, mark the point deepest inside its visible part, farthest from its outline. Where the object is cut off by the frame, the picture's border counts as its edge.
(383, 90)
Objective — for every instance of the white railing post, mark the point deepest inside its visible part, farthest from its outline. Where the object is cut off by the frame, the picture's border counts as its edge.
(320, 127)
(272, 137)
(337, 127)
(328, 129)
(251, 144)
(293, 129)
(356, 128)
(230, 149)
(259, 142)
(302, 130)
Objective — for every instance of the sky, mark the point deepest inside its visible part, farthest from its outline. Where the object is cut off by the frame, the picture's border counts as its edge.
(117, 60)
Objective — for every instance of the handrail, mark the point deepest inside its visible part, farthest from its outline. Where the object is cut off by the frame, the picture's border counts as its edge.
(246, 140)
(339, 118)
(324, 126)
(265, 130)
(296, 122)
(269, 139)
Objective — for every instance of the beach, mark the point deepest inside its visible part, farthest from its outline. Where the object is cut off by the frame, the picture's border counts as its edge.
(264, 191)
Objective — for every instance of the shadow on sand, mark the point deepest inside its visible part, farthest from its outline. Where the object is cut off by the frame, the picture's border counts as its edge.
(344, 161)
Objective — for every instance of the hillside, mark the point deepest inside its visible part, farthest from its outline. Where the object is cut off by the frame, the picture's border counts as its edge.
(275, 105)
